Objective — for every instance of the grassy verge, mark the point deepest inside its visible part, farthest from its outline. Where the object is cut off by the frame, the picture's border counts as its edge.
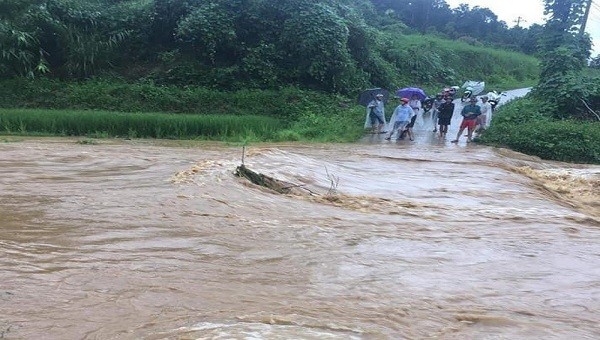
(102, 108)
(520, 126)
(309, 126)
(133, 125)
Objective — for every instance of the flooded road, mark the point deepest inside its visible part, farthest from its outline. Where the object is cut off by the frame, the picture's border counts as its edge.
(380, 240)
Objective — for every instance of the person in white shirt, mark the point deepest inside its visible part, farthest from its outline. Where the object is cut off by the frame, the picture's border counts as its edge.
(415, 104)
(483, 121)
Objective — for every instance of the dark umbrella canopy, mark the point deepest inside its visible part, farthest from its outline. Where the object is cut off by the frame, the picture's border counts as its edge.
(408, 92)
(368, 95)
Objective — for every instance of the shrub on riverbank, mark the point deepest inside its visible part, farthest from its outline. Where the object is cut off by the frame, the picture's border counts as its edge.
(520, 126)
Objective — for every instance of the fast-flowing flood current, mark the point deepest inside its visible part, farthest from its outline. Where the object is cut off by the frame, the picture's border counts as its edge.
(376, 240)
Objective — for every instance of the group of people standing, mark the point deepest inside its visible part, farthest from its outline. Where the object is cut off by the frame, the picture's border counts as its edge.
(476, 118)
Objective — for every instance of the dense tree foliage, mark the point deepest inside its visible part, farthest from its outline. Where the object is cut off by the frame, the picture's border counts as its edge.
(476, 24)
(307, 42)
(595, 62)
(335, 46)
(564, 88)
(20, 51)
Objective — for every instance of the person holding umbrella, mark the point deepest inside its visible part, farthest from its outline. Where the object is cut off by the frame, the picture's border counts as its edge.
(377, 114)
(416, 95)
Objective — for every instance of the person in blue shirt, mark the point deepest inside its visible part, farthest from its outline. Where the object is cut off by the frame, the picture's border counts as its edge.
(470, 113)
(400, 119)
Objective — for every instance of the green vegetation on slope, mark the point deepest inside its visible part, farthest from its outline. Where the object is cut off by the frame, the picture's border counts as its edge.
(410, 60)
(335, 46)
(429, 62)
(519, 125)
(560, 119)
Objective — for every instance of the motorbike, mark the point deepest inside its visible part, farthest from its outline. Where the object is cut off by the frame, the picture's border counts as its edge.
(472, 88)
(494, 98)
(467, 94)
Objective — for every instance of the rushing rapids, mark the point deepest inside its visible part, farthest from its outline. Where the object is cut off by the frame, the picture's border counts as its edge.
(156, 239)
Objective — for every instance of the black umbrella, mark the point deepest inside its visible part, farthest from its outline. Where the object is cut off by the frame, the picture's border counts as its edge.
(368, 95)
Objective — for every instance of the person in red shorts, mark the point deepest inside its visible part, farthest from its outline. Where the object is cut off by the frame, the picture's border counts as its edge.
(470, 113)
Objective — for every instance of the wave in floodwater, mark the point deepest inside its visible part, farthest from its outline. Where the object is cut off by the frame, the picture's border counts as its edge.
(270, 329)
(579, 188)
(160, 240)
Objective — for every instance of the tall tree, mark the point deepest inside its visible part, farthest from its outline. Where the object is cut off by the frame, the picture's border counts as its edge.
(564, 55)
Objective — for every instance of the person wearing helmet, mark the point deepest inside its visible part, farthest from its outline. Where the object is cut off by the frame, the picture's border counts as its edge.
(470, 113)
(400, 118)
(377, 113)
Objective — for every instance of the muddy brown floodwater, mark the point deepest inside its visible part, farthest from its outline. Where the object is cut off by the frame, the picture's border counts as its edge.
(380, 240)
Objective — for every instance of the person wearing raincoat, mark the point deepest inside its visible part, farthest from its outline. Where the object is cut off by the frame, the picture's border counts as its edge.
(483, 121)
(376, 115)
(415, 104)
(400, 119)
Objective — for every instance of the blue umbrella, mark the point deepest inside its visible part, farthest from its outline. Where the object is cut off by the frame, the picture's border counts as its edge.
(408, 92)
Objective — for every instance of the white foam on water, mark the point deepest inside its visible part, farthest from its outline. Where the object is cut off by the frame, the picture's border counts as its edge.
(260, 331)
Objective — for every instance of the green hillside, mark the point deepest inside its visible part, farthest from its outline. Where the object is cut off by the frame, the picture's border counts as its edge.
(407, 60)
(338, 46)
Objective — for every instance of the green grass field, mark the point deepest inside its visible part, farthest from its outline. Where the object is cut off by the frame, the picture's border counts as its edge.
(137, 125)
